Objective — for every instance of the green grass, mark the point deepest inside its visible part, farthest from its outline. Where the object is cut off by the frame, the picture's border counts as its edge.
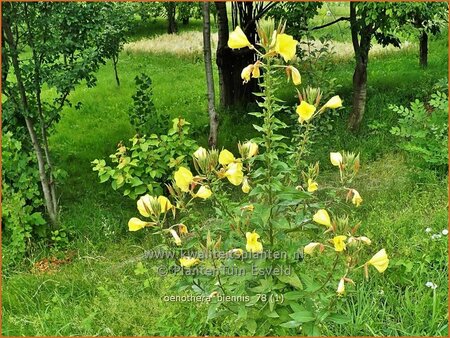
(98, 293)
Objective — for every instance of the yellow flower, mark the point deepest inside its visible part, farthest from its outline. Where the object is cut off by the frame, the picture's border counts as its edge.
(188, 262)
(226, 157)
(322, 217)
(286, 46)
(249, 149)
(341, 287)
(333, 103)
(256, 72)
(135, 224)
(247, 73)
(252, 242)
(305, 111)
(182, 229)
(339, 244)
(183, 179)
(234, 173)
(164, 203)
(380, 260)
(365, 240)
(295, 75)
(200, 153)
(175, 236)
(336, 159)
(357, 199)
(203, 192)
(312, 186)
(245, 186)
(237, 39)
(309, 248)
(145, 205)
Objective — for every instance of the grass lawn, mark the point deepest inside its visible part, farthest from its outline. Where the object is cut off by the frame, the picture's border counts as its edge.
(100, 292)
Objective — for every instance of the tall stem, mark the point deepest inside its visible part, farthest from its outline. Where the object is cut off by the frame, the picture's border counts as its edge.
(268, 133)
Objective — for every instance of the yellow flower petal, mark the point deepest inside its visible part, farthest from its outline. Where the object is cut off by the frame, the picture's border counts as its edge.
(237, 39)
(144, 205)
(135, 224)
(336, 159)
(188, 262)
(164, 203)
(312, 186)
(256, 72)
(380, 260)
(226, 157)
(341, 287)
(234, 173)
(334, 102)
(175, 236)
(245, 186)
(309, 248)
(357, 199)
(247, 73)
(252, 242)
(286, 46)
(295, 75)
(203, 192)
(322, 217)
(183, 179)
(339, 243)
(305, 111)
(200, 153)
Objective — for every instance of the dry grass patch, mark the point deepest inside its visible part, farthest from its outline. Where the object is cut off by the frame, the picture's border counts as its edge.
(183, 44)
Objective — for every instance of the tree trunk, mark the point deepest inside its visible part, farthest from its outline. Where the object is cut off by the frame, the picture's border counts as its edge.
(359, 94)
(230, 64)
(172, 24)
(213, 118)
(185, 21)
(361, 37)
(423, 49)
(115, 60)
(24, 109)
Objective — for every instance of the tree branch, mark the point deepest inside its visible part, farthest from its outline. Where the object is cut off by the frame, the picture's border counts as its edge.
(330, 23)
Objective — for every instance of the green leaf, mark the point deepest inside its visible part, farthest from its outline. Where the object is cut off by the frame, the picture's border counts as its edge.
(291, 324)
(291, 279)
(302, 316)
(339, 319)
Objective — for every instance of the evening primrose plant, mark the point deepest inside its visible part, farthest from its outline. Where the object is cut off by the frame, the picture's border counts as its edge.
(281, 252)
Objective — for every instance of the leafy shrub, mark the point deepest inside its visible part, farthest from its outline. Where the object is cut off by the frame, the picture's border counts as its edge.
(22, 205)
(148, 162)
(423, 128)
(143, 116)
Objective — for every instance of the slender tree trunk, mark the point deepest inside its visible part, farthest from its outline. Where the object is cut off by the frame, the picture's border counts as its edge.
(115, 60)
(423, 49)
(172, 24)
(361, 37)
(213, 118)
(230, 64)
(359, 94)
(24, 108)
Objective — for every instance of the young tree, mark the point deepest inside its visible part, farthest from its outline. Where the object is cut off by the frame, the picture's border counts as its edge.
(52, 45)
(213, 118)
(367, 21)
(424, 18)
(117, 23)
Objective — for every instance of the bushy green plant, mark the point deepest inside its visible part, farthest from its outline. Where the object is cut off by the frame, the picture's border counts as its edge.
(144, 117)
(148, 162)
(22, 204)
(423, 130)
(248, 262)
